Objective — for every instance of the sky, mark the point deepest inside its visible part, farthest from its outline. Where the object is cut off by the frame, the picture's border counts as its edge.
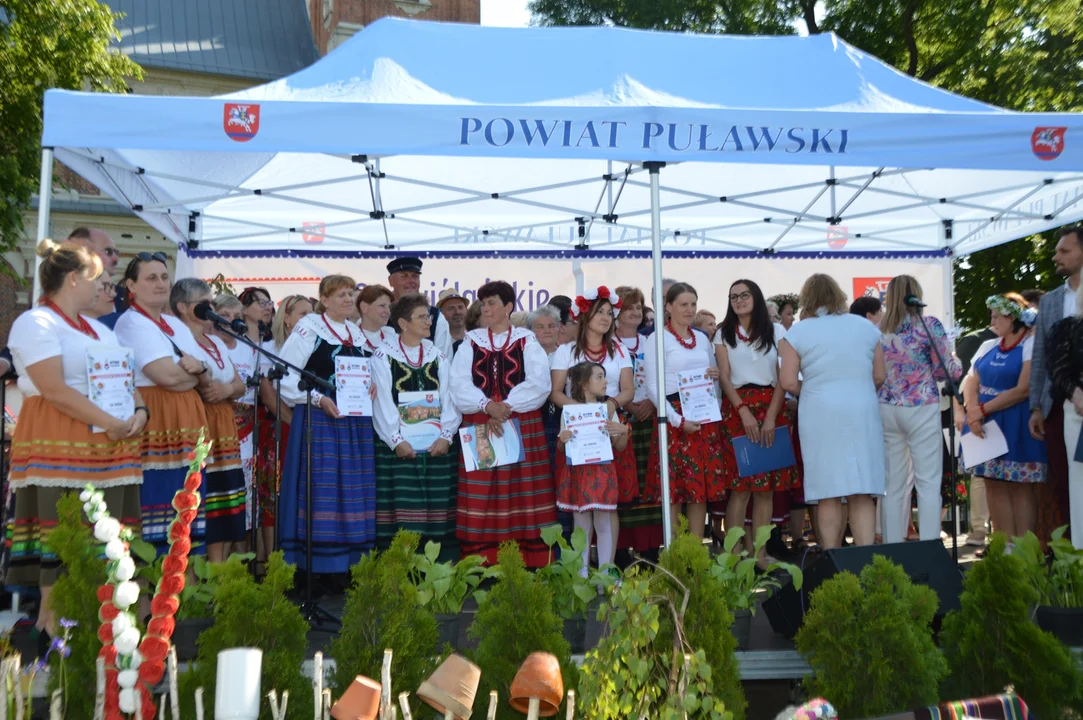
(505, 13)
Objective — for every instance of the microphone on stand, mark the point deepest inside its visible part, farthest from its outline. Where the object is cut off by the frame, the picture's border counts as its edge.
(203, 311)
(914, 301)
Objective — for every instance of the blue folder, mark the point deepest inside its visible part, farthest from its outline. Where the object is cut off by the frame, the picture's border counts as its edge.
(753, 459)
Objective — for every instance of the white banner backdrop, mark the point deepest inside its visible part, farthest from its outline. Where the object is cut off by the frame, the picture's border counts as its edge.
(537, 280)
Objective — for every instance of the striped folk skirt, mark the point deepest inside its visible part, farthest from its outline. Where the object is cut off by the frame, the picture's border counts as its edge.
(641, 520)
(269, 459)
(417, 495)
(512, 502)
(53, 454)
(695, 464)
(223, 480)
(176, 419)
(343, 491)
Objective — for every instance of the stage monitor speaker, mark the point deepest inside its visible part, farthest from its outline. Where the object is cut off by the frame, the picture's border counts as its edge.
(927, 563)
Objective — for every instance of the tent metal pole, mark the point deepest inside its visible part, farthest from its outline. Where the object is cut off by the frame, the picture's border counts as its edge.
(45, 202)
(659, 318)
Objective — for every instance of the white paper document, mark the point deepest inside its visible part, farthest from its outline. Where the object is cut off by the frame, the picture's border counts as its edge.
(976, 450)
(419, 418)
(590, 443)
(111, 381)
(483, 450)
(352, 383)
(698, 400)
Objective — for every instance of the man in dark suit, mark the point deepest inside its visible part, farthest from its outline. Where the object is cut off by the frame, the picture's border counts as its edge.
(404, 277)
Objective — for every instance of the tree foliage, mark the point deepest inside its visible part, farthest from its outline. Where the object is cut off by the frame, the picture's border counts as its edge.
(55, 44)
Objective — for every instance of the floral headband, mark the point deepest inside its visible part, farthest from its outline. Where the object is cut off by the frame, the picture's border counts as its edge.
(786, 299)
(586, 301)
(1012, 309)
(818, 709)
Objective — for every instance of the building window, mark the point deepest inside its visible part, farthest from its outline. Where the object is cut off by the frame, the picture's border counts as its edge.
(328, 12)
(413, 7)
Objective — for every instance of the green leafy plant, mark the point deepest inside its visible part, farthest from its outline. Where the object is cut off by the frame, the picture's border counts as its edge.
(1059, 583)
(870, 642)
(990, 643)
(249, 613)
(706, 618)
(514, 620)
(443, 587)
(201, 586)
(221, 286)
(633, 673)
(75, 597)
(563, 576)
(737, 571)
(382, 611)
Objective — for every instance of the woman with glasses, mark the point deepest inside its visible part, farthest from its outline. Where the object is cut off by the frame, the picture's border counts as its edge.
(258, 311)
(63, 440)
(167, 374)
(103, 302)
(416, 423)
(343, 469)
(746, 349)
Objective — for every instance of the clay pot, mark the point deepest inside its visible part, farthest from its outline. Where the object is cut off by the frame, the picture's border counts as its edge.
(538, 677)
(452, 687)
(361, 701)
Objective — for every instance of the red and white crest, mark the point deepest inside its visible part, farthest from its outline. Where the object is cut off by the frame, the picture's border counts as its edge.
(1047, 142)
(313, 232)
(240, 121)
(837, 236)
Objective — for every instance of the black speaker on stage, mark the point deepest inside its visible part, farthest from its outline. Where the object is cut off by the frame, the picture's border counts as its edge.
(927, 563)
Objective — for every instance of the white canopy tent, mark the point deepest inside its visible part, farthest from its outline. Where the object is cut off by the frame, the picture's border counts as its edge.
(444, 139)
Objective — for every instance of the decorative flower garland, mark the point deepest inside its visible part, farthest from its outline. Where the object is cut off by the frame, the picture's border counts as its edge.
(1012, 309)
(784, 299)
(585, 302)
(130, 664)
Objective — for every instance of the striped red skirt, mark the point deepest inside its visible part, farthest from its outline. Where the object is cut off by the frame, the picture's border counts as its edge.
(695, 464)
(757, 400)
(512, 502)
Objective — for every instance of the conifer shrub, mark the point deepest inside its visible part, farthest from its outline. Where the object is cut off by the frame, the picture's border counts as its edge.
(870, 642)
(513, 620)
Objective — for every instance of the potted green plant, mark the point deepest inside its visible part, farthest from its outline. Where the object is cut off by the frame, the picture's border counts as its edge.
(738, 574)
(443, 588)
(573, 590)
(1059, 584)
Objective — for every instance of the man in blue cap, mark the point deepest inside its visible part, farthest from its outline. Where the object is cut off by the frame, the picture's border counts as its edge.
(404, 277)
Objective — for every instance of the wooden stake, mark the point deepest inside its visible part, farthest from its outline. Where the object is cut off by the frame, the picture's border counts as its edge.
(285, 702)
(317, 686)
(199, 703)
(404, 703)
(138, 702)
(99, 698)
(16, 665)
(55, 705)
(174, 695)
(533, 709)
(5, 673)
(161, 709)
(272, 697)
(571, 706)
(386, 705)
(492, 705)
(327, 704)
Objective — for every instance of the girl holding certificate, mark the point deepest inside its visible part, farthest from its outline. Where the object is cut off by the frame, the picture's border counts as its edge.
(374, 306)
(747, 354)
(695, 462)
(167, 373)
(55, 450)
(641, 519)
(343, 469)
(501, 373)
(224, 487)
(590, 491)
(416, 421)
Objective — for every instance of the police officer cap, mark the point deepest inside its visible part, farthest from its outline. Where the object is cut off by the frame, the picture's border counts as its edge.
(404, 264)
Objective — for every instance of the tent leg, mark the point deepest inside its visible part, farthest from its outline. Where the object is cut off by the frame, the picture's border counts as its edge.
(45, 201)
(659, 319)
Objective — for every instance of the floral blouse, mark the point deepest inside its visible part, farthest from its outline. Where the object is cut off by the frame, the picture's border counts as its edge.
(1065, 351)
(911, 380)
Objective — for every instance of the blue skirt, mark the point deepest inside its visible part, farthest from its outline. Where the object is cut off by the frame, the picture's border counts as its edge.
(343, 491)
(159, 487)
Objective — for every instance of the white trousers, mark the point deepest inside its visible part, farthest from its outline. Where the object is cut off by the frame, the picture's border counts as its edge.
(1072, 426)
(913, 441)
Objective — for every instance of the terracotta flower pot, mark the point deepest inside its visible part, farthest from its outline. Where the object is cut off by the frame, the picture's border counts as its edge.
(538, 677)
(361, 701)
(452, 687)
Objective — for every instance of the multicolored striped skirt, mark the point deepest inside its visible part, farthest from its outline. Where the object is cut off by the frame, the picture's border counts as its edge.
(641, 520)
(269, 459)
(223, 480)
(53, 454)
(513, 502)
(417, 495)
(343, 491)
(695, 464)
(176, 419)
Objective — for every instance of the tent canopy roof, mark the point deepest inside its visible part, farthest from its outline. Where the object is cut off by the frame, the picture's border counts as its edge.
(441, 137)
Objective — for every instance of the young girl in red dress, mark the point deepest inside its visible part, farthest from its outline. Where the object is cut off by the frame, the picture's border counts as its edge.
(590, 492)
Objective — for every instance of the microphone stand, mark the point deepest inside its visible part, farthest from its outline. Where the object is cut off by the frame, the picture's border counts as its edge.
(950, 390)
(253, 382)
(310, 609)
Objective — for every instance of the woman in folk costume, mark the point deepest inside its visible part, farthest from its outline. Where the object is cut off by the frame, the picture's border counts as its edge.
(374, 307)
(55, 450)
(595, 312)
(416, 422)
(501, 373)
(343, 470)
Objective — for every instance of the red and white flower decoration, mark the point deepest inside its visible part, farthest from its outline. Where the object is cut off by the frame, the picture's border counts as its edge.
(585, 302)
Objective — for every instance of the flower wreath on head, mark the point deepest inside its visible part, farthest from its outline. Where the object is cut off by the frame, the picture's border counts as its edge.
(785, 299)
(1010, 308)
(585, 302)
